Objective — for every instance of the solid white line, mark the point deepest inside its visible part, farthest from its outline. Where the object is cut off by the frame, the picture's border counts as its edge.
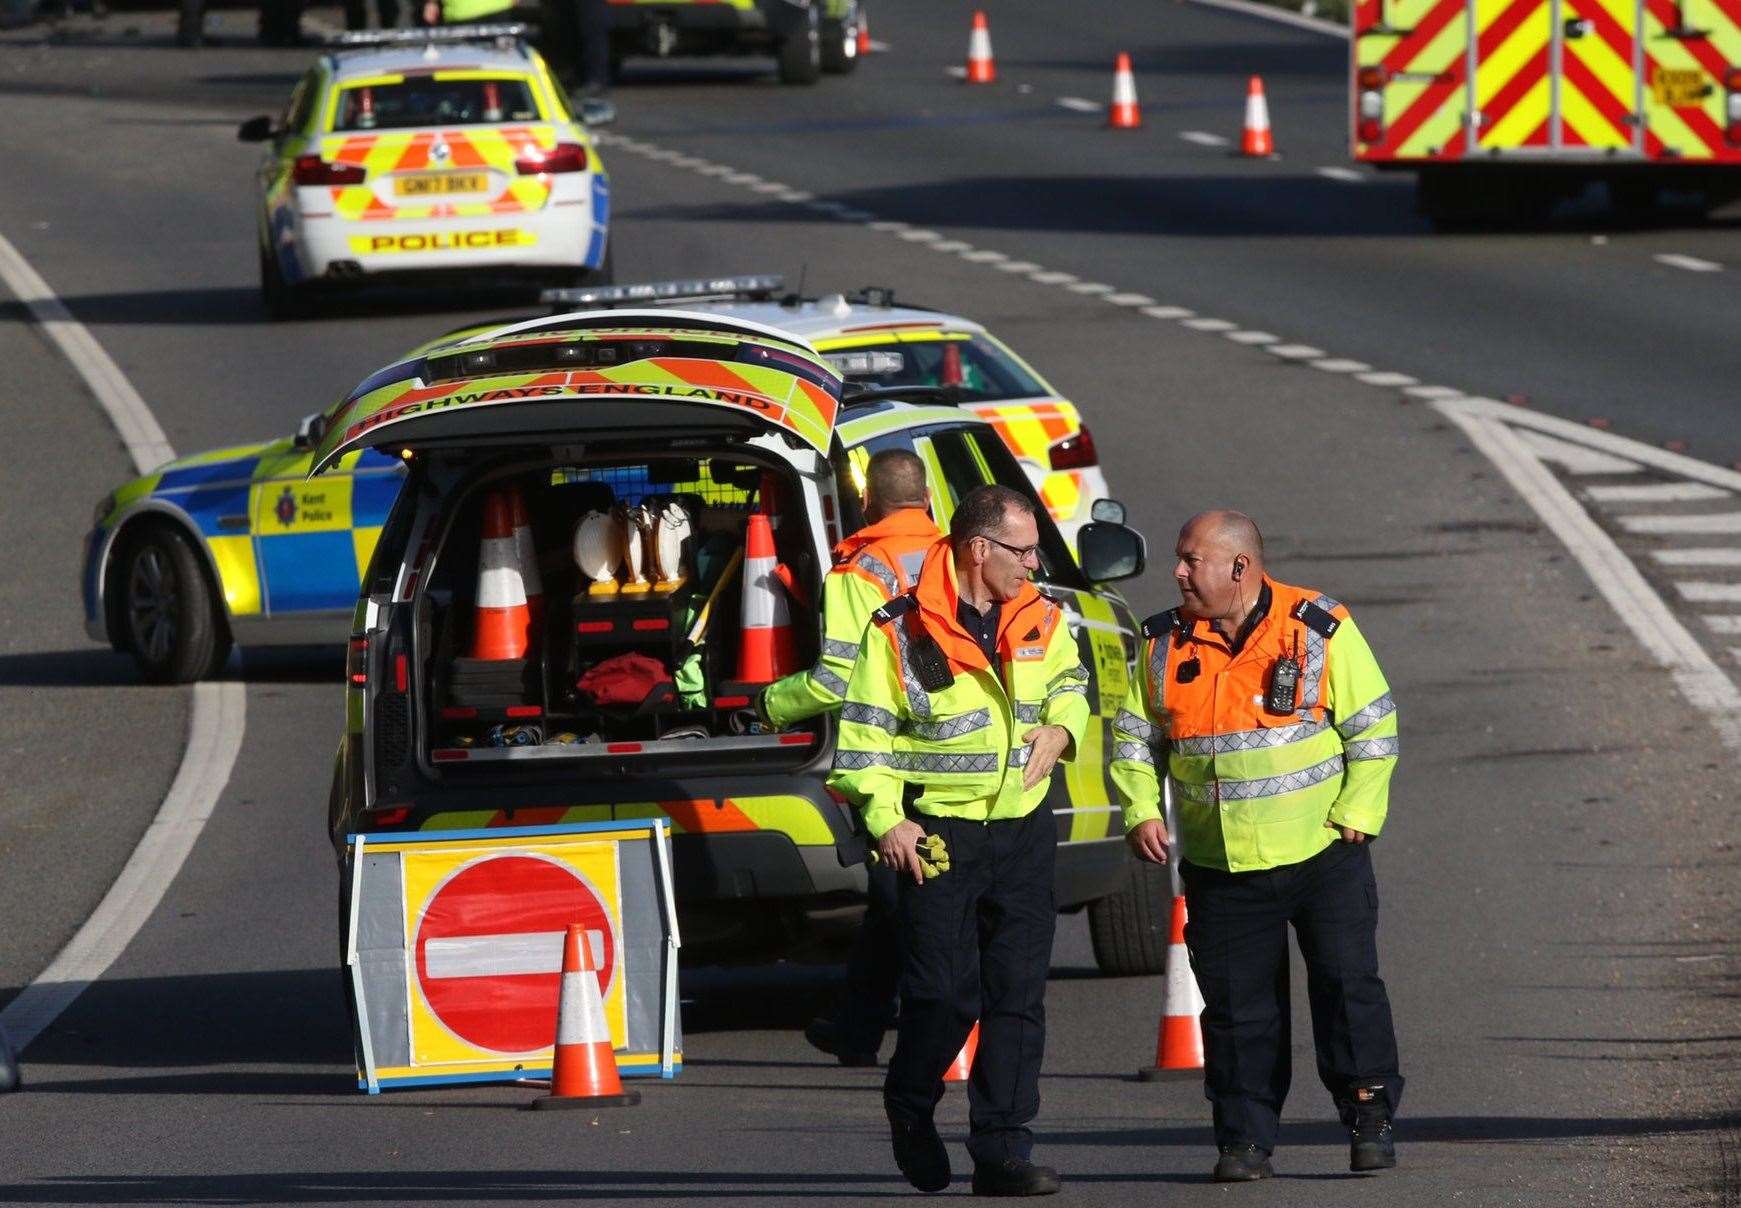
(1079, 104)
(1280, 16)
(1655, 492)
(1203, 138)
(1644, 612)
(1347, 176)
(1691, 263)
(1578, 459)
(1723, 622)
(1636, 451)
(1698, 557)
(216, 721)
(1713, 522)
(1709, 593)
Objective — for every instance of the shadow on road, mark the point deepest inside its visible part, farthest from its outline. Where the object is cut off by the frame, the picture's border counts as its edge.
(223, 306)
(98, 667)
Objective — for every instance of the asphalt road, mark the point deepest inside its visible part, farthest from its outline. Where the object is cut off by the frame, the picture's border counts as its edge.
(1559, 935)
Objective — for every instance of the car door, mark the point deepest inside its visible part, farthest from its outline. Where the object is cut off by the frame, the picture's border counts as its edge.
(313, 539)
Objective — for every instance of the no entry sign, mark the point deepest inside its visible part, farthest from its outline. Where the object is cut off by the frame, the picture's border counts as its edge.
(489, 948)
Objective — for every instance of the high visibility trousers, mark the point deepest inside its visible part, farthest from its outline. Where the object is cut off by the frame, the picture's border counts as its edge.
(977, 944)
(1237, 935)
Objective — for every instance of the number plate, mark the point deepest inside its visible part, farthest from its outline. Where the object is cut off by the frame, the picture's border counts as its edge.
(434, 184)
(1677, 87)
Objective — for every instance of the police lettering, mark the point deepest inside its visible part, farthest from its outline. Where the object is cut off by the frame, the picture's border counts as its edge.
(443, 241)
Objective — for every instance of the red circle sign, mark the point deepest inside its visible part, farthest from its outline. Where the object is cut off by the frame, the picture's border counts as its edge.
(489, 949)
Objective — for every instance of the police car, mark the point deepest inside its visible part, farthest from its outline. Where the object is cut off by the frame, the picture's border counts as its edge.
(233, 546)
(806, 37)
(471, 707)
(427, 152)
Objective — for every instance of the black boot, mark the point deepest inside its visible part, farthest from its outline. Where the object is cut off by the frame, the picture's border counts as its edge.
(825, 1036)
(920, 1154)
(1242, 1164)
(1014, 1176)
(1370, 1144)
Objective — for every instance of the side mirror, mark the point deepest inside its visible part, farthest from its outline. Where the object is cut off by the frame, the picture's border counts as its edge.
(255, 130)
(310, 430)
(1107, 511)
(1109, 552)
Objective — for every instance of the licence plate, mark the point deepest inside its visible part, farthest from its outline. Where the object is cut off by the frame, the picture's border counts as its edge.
(1678, 87)
(436, 183)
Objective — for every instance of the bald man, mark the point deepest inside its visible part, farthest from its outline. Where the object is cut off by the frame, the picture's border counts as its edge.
(1277, 732)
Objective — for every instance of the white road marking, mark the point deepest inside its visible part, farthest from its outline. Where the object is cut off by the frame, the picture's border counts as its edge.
(1203, 138)
(1645, 613)
(959, 72)
(1691, 263)
(1620, 446)
(1168, 312)
(915, 235)
(1017, 266)
(1130, 299)
(1090, 287)
(984, 256)
(1655, 492)
(1709, 593)
(1079, 104)
(215, 725)
(1341, 365)
(1711, 522)
(1347, 176)
(1251, 337)
(770, 187)
(1698, 557)
(1723, 622)
(1210, 325)
(1295, 352)
(1387, 378)
(1051, 276)
(1281, 16)
(1577, 459)
(956, 246)
(1432, 392)
(890, 226)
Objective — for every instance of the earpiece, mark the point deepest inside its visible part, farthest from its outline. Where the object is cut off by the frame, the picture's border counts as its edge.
(1238, 568)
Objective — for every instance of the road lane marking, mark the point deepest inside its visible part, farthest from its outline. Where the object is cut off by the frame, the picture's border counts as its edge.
(215, 723)
(1723, 622)
(1090, 287)
(1577, 459)
(1709, 593)
(1051, 276)
(1210, 325)
(1130, 299)
(1251, 338)
(1697, 557)
(1691, 263)
(1347, 176)
(1387, 378)
(1433, 392)
(1655, 492)
(1203, 138)
(1295, 352)
(1017, 266)
(1282, 16)
(1659, 526)
(1079, 104)
(1341, 365)
(1168, 312)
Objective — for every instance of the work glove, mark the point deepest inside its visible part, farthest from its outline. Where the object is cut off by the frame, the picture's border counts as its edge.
(933, 856)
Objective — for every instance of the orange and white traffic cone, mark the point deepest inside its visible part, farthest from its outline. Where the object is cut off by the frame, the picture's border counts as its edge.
(499, 631)
(962, 1066)
(767, 648)
(1179, 1044)
(584, 1072)
(530, 577)
(980, 67)
(1125, 113)
(1257, 141)
(864, 41)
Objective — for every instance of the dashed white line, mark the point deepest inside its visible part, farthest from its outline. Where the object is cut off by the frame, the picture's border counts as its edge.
(1711, 522)
(1432, 392)
(1168, 312)
(1210, 325)
(1203, 138)
(1251, 337)
(890, 227)
(1051, 276)
(1295, 352)
(1655, 492)
(1691, 264)
(1130, 299)
(1387, 378)
(1723, 622)
(1341, 365)
(1709, 593)
(984, 256)
(1090, 287)
(954, 246)
(1017, 266)
(1079, 104)
(919, 235)
(1347, 176)
(1721, 556)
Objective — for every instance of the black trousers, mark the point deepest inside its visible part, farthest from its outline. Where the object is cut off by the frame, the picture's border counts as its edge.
(1237, 934)
(873, 970)
(977, 944)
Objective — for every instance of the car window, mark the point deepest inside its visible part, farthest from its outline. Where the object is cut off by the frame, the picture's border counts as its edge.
(971, 457)
(982, 370)
(433, 101)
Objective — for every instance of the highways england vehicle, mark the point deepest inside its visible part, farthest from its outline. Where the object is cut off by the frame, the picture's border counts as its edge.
(626, 700)
(1503, 107)
(806, 37)
(418, 154)
(238, 546)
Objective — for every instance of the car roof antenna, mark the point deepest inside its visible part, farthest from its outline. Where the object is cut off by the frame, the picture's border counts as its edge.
(796, 297)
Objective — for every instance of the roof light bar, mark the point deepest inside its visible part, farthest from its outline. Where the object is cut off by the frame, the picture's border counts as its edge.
(691, 290)
(865, 363)
(498, 32)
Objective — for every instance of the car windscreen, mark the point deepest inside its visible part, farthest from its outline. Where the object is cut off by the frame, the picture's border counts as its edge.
(978, 367)
(434, 101)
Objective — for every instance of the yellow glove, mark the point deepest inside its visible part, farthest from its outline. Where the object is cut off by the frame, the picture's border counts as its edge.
(932, 852)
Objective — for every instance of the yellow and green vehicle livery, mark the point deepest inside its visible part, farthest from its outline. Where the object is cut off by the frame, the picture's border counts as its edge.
(592, 413)
(409, 156)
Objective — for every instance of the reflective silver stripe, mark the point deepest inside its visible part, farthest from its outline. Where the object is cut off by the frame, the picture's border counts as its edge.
(913, 761)
(825, 677)
(1137, 752)
(1202, 794)
(879, 570)
(1020, 755)
(1315, 646)
(1368, 717)
(1080, 689)
(912, 562)
(950, 727)
(836, 649)
(870, 715)
(1158, 674)
(916, 696)
(1275, 786)
(1373, 748)
(1069, 674)
(1027, 712)
(1129, 723)
(852, 761)
(1248, 740)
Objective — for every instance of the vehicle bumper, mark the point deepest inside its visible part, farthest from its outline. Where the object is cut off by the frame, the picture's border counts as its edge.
(90, 585)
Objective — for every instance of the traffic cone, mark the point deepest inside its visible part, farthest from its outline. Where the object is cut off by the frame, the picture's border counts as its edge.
(530, 577)
(502, 617)
(980, 67)
(584, 1072)
(864, 42)
(768, 648)
(962, 1066)
(1258, 141)
(1179, 1044)
(1125, 114)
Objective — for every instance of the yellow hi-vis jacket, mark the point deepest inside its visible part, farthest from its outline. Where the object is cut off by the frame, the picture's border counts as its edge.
(871, 567)
(1253, 788)
(960, 745)
(463, 12)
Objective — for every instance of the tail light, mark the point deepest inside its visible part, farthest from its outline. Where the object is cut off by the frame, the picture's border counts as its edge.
(1732, 107)
(563, 157)
(382, 816)
(357, 662)
(1369, 103)
(1075, 452)
(313, 170)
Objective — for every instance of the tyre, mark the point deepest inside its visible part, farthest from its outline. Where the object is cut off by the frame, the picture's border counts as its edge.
(168, 614)
(840, 41)
(281, 299)
(801, 51)
(190, 23)
(1129, 928)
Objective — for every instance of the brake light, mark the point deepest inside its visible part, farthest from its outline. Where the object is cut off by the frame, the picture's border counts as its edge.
(563, 157)
(357, 661)
(1372, 78)
(1369, 103)
(387, 815)
(1075, 452)
(313, 170)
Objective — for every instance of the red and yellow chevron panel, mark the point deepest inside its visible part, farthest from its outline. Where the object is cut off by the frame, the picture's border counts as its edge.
(392, 152)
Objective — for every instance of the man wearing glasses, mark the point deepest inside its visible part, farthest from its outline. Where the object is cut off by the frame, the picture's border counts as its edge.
(967, 691)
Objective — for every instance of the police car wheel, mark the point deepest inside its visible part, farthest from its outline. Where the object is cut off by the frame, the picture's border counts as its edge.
(1129, 928)
(840, 41)
(168, 614)
(281, 299)
(801, 51)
